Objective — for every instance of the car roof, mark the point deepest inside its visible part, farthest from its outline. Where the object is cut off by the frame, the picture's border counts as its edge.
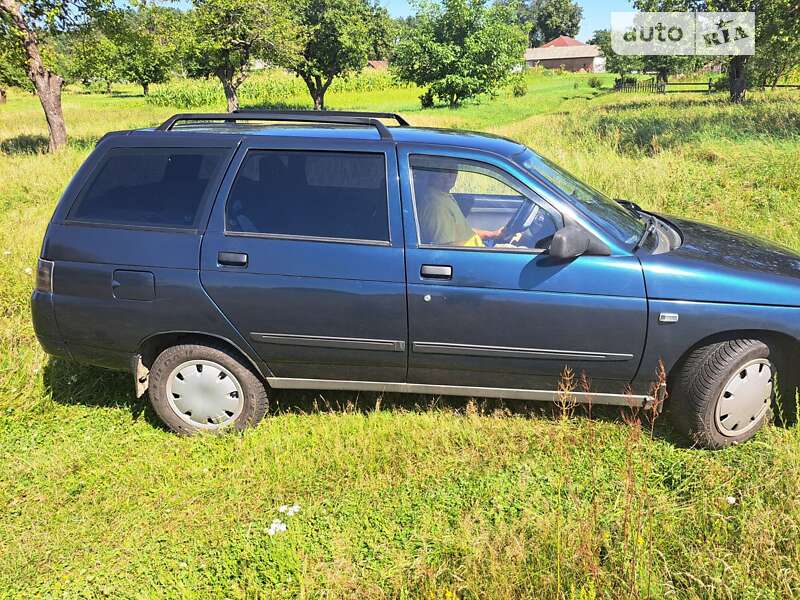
(332, 131)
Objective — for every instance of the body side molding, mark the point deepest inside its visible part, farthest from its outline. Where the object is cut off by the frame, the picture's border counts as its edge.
(321, 341)
(510, 352)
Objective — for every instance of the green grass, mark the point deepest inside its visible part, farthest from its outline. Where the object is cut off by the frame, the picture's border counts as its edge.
(401, 497)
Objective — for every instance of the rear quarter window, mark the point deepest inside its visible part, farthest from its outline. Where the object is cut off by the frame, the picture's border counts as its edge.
(149, 187)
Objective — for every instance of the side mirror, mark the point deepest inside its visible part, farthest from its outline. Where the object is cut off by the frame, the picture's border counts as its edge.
(572, 241)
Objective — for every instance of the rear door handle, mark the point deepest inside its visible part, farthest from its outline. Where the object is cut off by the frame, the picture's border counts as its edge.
(436, 271)
(232, 259)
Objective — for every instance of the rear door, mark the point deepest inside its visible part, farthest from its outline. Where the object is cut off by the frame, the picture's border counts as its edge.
(304, 254)
(501, 312)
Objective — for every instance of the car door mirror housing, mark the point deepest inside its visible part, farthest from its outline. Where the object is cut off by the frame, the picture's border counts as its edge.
(572, 241)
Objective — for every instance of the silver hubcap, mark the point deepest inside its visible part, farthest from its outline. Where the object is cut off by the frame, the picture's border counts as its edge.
(205, 394)
(745, 398)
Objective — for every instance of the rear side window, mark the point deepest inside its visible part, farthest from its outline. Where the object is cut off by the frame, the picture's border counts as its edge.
(336, 195)
(155, 187)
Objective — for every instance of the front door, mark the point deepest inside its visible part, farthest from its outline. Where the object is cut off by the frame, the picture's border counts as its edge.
(304, 254)
(488, 307)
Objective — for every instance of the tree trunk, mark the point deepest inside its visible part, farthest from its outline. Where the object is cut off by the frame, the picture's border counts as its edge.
(108, 88)
(317, 89)
(737, 82)
(146, 89)
(47, 84)
(231, 98)
(318, 94)
(2, 96)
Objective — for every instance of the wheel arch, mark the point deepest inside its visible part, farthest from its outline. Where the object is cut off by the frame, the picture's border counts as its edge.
(153, 345)
(786, 345)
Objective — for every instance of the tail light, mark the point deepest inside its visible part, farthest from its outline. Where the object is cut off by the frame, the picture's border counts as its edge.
(44, 276)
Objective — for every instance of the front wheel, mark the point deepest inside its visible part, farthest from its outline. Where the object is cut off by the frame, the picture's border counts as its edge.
(723, 392)
(197, 388)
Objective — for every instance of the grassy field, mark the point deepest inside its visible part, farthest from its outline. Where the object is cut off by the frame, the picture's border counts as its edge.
(401, 497)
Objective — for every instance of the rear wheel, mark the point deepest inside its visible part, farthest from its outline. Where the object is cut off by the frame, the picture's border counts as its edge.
(723, 392)
(196, 388)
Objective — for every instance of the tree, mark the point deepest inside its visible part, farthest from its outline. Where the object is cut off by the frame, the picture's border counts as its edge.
(777, 21)
(460, 49)
(552, 18)
(26, 21)
(227, 35)
(88, 55)
(337, 37)
(12, 61)
(620, 64)
(665, 66)
(147, 45)
(778, 48)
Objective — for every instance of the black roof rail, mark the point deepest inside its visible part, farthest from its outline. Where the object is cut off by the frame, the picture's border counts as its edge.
(303, 116)
(341, 113)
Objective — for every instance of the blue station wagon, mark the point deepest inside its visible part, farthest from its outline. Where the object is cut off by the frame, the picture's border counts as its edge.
(222, 255)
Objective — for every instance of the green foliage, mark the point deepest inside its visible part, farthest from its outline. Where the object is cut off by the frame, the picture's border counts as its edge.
(12, 58)
(615, 63)
(89, 54)
(226, 36)
(337, 37)
(778, 45)
(552, 18)
(148, 44)
(595, 82)
(518, 84)
(269, 88)
(777, 36)
(460, 49)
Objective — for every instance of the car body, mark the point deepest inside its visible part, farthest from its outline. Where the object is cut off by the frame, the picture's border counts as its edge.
(293, 242)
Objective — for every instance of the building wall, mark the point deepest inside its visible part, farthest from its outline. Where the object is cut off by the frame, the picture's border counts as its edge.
(588, 64)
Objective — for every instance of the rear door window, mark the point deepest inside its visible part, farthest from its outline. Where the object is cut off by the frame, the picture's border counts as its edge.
(149, 187)
(310, 194)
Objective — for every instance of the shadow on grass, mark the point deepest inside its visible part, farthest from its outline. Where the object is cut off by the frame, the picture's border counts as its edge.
(73, 384)
(39, 144)
(327, 401)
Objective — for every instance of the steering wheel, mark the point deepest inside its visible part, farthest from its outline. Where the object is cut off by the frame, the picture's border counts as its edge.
(522, 220)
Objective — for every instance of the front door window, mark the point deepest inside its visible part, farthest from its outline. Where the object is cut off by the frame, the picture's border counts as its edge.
(462, 203)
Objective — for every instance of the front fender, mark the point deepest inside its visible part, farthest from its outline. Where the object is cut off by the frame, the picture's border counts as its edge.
(667, 342)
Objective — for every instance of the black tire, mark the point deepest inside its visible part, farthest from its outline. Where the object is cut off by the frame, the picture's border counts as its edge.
(699, 383)
(254, 405)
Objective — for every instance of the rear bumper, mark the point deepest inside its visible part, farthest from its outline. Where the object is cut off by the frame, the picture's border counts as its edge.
(45, 326)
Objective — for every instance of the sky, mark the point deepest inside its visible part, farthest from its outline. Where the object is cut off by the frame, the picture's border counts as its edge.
(596, 13)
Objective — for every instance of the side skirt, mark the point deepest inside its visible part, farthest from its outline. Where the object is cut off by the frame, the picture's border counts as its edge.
(632, 400)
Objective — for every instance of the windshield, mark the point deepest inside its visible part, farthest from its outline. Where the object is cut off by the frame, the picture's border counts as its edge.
(624, 224)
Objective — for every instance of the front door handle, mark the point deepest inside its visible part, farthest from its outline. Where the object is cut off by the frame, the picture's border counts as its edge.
(232, 259)
(436, 271)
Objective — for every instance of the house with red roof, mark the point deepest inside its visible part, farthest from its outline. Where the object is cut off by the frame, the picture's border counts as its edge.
(567, 53)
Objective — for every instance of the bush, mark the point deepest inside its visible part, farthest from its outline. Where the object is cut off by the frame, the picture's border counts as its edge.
(518, 85)
(426, 99)
(595, 82)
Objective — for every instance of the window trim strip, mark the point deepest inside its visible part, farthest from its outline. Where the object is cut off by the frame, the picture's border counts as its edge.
(307, 238)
